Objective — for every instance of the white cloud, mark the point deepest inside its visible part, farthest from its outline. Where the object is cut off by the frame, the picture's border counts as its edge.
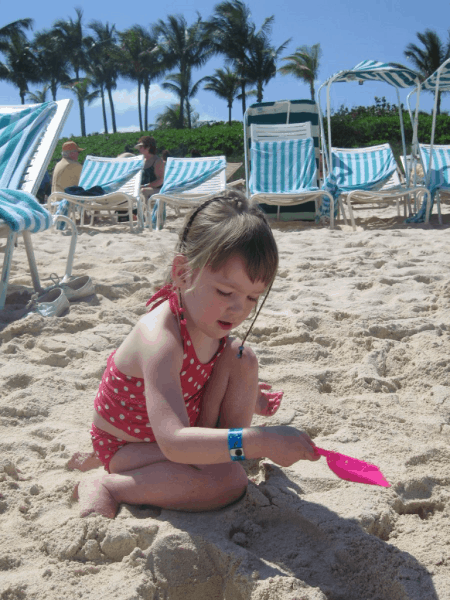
(129, 128)
(125, 99)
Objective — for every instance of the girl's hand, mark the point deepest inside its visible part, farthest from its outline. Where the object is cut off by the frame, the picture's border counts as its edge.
(267, 402)
(287, 445)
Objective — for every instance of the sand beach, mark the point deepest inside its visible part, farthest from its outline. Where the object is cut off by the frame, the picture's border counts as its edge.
(356, 331)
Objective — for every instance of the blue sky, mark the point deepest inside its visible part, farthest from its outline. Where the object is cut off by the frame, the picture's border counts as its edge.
(348, 31)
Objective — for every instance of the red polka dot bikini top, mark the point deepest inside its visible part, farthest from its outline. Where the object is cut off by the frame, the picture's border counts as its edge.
(121, 400)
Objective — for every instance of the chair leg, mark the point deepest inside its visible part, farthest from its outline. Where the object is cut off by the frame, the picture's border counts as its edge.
(350, 210)
(31, 260)
(344, 214)
(438, 202)
(73, 243)
(12, 237)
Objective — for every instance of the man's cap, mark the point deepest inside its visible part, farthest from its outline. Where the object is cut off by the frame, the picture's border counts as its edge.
(71, 147)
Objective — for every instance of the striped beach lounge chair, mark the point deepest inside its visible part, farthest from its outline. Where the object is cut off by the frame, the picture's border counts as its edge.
(284, 170)
(188, 182)
(283, 112)
(364, 176)
(435, 158)
(369, 175)
(28, 136)
(119, 178)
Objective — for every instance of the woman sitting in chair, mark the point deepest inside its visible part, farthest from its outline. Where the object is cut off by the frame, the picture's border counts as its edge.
(153, 174)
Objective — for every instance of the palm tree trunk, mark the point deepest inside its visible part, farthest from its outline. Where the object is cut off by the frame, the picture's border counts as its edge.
(311, 89)
(229, 112)
(54, 88)
(259, 90)
(113, 114)
(139, 106)
(188, 108)
(181, 121)
(147, 89)
(105, 122)
(82, 117)
(438, 108)
(243, 97)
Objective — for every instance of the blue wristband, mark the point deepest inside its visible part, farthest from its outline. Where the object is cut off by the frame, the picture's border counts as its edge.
(235, 444)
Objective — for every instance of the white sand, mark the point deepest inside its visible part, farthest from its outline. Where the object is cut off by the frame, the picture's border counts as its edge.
(356, 331)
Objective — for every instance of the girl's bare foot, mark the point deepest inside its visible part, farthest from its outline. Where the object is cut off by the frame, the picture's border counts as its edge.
(267, 402)
(94, 497)
(84, 461)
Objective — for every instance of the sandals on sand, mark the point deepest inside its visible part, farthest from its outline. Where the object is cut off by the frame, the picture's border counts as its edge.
(55, 301)
(76, 288)
(50, 304)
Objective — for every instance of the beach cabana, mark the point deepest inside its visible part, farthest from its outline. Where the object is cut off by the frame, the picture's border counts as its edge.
(28, 137)
(434, 158)
(280, 113)
(368, 175)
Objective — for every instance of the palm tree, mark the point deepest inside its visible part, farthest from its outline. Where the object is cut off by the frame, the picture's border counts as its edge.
(224, 84)
(81, 91)
(103, 67)
(231, 33)
(183, 47)
(72, 41)
(170, 117)
(53, 62)
(21, 66)
(132, 61)
(16, 27)
(260, 63)
(304, 64)
(181, 85)
(39, 96)
(152, 64)
(427, 59)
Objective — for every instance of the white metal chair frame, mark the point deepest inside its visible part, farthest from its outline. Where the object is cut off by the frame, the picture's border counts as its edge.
(283, 132)
(188, 199)
(437, 83)
(125, 198)
(31, 180)
(392, 191)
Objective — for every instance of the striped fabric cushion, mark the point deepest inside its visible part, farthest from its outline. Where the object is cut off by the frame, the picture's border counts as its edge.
(182, 175)
(436, 178)
(109, 175)
(365, 170)
(19, 133)
(440, 166)
(283, 167)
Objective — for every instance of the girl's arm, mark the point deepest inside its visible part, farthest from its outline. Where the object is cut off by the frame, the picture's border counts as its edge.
(196, 445)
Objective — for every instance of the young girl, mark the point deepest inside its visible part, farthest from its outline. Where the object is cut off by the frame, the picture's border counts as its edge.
(174, 409)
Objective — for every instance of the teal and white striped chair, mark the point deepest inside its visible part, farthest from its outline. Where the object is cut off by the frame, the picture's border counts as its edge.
(363, 176)
(188, 182)
(28, 137)
(301, 113)
(284, 169)
(437, 177)
(120, 178)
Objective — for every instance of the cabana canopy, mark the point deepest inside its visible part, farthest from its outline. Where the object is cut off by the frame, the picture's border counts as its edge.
(372, 70)
(393, 74)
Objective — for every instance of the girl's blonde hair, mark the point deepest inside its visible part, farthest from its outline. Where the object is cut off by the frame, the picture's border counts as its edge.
(225, 226)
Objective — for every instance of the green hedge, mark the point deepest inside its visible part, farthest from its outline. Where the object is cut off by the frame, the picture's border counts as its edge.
(352, 128)
(210, 140)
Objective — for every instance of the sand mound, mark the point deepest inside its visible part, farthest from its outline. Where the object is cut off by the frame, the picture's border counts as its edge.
(356, 331)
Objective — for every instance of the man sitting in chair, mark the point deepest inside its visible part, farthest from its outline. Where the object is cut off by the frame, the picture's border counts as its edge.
(67, 171)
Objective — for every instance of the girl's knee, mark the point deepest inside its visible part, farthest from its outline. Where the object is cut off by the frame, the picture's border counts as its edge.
(234, 479)
(248, 360)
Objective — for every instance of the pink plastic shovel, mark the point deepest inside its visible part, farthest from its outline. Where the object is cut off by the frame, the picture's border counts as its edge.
(353, 469)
